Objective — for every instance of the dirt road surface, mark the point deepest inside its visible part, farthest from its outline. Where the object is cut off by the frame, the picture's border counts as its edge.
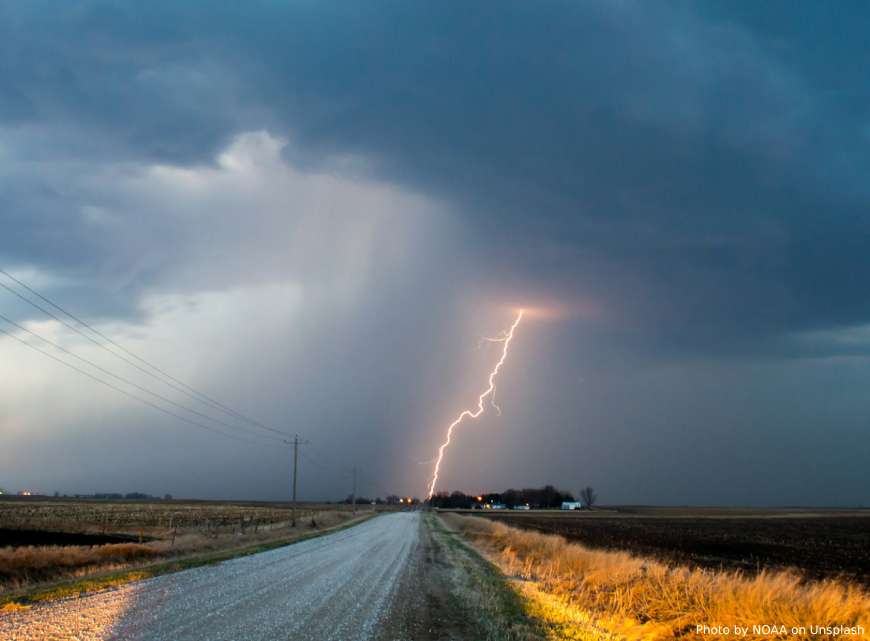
(339, 586)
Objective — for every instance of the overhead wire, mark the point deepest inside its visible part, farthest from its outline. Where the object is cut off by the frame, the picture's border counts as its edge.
(161, 375)
(132, 383)
(127, 393)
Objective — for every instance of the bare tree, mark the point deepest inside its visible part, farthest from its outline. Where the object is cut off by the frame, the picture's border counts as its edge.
(588, 496)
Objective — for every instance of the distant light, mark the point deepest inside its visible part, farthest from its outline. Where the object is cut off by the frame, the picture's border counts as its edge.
(401, 500)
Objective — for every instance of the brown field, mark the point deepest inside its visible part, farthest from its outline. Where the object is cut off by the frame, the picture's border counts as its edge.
(584, 593)
(131, 516)
(818, 544)
(46, 540)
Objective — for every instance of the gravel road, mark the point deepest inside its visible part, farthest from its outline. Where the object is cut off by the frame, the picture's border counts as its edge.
(338, 586)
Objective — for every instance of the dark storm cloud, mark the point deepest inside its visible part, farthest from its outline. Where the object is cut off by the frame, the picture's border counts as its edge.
(690, 177)
(677, 166)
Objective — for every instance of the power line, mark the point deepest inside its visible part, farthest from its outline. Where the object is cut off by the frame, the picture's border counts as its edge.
(377, 490)
(163, 376)
(313, 461)
(132, 383)
(316, 460)
(125, 392)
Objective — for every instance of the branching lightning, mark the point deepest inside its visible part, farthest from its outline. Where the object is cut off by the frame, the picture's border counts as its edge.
(505, 339)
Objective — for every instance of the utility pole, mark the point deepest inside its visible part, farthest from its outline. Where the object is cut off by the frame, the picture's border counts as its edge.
(295, 461)
(295, 443)
(353, 499)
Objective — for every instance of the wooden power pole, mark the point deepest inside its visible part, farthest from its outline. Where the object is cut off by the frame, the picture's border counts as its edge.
(354, 491)
(295, 462)
(295, 443)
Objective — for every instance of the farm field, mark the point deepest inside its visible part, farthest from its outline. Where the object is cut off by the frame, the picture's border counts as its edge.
(43, 541)
(828, 543)
(134, 516)
(579, 592)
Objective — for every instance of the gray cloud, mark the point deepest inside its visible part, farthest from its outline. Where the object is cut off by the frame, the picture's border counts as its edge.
(676, 156)
(689, 178)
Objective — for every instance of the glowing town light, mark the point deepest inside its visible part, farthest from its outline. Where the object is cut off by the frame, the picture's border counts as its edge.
(505, 339)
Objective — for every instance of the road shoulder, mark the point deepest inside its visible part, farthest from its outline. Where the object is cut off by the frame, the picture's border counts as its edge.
(450, 592)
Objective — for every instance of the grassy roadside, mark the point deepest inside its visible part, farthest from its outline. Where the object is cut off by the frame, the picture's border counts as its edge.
(94, 583)
(481, 591)
(585, 594)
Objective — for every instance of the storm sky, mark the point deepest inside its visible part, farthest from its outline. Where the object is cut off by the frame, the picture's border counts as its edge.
(313, 211)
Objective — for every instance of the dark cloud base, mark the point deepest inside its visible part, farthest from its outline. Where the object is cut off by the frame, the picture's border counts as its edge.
(688, 180)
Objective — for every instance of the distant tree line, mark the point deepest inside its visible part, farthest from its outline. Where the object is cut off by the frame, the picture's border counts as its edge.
(392, 499)
(541, 497)
(131, 496)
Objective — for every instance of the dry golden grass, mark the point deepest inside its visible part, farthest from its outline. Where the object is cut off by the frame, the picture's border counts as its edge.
(586, 593)
(29, 563)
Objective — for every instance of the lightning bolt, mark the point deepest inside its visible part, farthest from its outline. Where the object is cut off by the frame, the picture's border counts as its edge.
(505, 339)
